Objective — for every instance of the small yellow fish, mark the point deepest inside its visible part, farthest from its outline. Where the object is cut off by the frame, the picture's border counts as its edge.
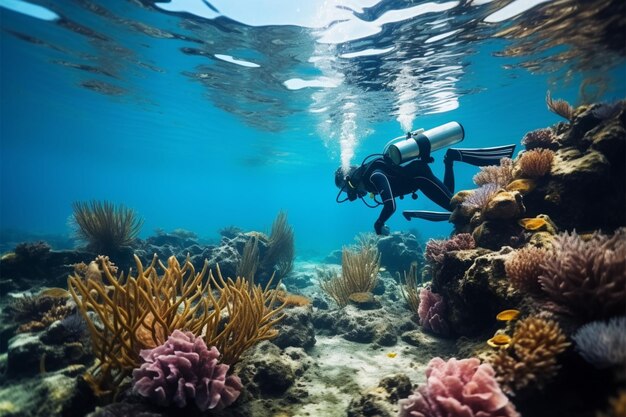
(392, 354)
(381, 269)
(55, 293)
(499, 340)
(507, 315)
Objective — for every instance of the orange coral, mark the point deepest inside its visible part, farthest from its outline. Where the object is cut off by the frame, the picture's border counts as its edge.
(531, 356)
(289, 299)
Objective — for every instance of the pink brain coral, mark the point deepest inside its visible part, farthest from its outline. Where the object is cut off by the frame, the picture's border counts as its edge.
(458, 388)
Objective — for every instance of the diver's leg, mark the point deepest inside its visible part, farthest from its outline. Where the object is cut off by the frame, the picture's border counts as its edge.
(480, 156)
(448, 175)
(432, 187)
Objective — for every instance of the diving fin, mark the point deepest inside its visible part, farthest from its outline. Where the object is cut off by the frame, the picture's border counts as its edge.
(480, 156)
(433, 216)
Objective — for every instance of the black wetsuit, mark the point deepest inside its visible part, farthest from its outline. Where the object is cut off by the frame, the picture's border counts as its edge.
(389, 181)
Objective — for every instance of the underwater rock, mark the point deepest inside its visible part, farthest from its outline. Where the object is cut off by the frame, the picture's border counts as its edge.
(364, 301)
(503, 206)
(362, 326)
(381, 400)
(398, 251)
(29, 354)
(296, 329)
(497, 233)
(36, 265)
(55, 394)
(475, 287)
(428, 345)
(334, 257)
(266, 371)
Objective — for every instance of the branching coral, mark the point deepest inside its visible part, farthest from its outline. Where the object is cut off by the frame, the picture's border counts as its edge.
(479, 198)
(431, 312)
(280, 250)
(359, 273)
(560, 107)
(249, 262)
(587, 277)
(184, 368)
(38, 312)
(410, 290)
(463, 387)
(105, 226)
(531, 356)
(603, 344)
(500, 175)
(436, 249)
(140, 312)
(541, 138)
(524, 267)
(536, 163)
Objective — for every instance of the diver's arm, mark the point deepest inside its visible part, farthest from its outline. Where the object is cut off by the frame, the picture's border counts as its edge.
(381, 183)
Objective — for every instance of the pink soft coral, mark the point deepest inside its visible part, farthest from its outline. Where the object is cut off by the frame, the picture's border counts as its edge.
(431, 312)
(458, 388)
(184, 368)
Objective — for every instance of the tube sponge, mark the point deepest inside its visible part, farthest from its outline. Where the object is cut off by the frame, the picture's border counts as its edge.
(184, 368)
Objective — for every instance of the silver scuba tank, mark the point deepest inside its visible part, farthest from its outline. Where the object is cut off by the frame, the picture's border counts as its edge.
(407, 148)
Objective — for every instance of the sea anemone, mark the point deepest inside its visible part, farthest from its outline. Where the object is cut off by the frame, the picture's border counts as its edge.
(540, 138)
(603, 344)
(478, 199)
(436, 249)
(524, 267)
(500, 175)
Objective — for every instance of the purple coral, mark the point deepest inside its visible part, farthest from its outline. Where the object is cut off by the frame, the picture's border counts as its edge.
(463, 387)
(184, 368)
(436, 249)
(431, 312)
(540, 138)
(479, 198)
(587, 276)
(500, 175)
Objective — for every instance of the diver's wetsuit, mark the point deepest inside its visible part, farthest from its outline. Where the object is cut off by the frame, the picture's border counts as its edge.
(389, 180)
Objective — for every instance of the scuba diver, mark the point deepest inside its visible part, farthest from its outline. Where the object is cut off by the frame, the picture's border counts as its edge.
(403, 169)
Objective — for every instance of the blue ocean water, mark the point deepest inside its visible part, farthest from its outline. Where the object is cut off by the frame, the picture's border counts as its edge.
(203, 115)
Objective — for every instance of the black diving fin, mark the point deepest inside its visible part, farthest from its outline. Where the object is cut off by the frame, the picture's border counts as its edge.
(433, 216)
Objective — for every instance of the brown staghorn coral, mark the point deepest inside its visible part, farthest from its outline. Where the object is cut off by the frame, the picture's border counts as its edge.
(587, 277)
(140, 312)
(524, 267)
(500, 175)
(531, 356)
(536, 163)
(359, 273)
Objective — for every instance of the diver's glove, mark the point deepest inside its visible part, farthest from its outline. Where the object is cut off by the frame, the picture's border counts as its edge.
(381, 228)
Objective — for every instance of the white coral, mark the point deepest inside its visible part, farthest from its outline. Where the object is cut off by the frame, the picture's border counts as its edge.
(603, 344)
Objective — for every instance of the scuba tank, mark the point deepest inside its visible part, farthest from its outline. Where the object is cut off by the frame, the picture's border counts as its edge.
(420, 143)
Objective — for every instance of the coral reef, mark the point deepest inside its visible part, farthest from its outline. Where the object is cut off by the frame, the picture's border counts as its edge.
(587, 277)
(359, 274)
(535, 163)
(479, 198)
(437, 249)
(431, 311)
(603, 344)
(541, 138)
(500, 175)
(141, 312)
(462, 387)
(524, 267)
(184, 368)
(531, 356)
